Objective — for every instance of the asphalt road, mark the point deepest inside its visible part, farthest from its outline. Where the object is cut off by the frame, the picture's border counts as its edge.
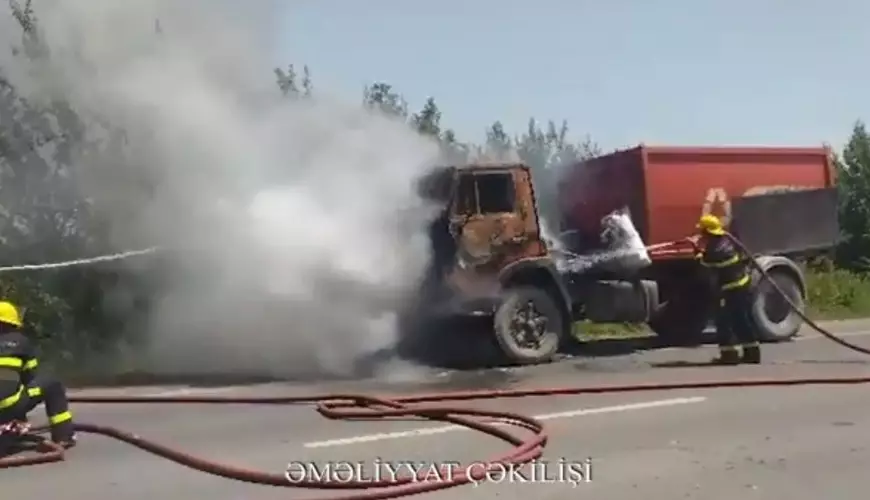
(798, 443)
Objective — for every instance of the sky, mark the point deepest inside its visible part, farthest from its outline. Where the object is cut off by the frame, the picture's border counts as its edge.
(677, 72)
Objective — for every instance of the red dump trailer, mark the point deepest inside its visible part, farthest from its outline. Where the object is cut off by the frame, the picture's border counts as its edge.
(780, 201)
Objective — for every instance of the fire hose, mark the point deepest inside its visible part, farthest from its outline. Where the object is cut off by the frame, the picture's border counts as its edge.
(427, 406)
(797, 310)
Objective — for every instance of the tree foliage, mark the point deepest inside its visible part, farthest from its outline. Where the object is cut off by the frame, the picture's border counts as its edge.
(44, 218)
(853, 172)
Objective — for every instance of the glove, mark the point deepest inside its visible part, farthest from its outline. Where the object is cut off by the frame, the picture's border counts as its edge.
(693, 240)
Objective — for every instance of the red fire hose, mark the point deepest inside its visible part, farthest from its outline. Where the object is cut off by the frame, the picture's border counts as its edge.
(351, 407)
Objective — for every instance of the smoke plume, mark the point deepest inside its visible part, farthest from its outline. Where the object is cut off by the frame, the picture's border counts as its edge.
(293, 222)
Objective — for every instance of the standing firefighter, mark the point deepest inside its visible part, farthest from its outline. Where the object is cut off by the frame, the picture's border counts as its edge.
(734, 297)
(23, 386)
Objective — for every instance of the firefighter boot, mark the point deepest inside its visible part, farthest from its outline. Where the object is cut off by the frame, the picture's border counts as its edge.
(64, 434)
(68, 443)
(728, 355)
(751, 354)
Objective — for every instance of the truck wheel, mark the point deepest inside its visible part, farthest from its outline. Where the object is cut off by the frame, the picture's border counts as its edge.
(528, 326)
(773, 317)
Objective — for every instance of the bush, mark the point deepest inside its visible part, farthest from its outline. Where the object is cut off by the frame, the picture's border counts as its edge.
(838, 294)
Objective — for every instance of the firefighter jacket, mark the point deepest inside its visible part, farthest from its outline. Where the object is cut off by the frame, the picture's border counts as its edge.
(722, 256)
(17, 366)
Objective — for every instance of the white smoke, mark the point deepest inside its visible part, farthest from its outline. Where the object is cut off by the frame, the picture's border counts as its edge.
(297, 219)
(551, 238)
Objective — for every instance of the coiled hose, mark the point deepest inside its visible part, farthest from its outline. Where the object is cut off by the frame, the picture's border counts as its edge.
(353, 407)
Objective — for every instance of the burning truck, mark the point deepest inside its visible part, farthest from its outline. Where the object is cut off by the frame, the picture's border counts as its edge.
(622, 254)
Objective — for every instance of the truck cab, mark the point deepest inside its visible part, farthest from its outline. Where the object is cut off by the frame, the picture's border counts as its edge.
(490, 260)
(494, 220)
(488, 224)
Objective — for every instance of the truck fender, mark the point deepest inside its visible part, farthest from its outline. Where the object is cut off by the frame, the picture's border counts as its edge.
(541, 273)
(781, 328)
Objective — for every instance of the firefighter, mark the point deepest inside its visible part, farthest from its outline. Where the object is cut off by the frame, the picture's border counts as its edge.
(734, 294)
(23, 386)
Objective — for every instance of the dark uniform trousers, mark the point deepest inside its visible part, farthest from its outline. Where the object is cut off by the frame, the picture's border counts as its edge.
(23, 388)
(733, 324)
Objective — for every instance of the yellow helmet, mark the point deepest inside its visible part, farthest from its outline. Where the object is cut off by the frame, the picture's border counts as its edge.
(9, 314)
(711, 224)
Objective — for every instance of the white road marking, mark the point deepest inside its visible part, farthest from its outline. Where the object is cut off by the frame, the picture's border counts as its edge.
(428, 431)
(167, 391)
(193, 391)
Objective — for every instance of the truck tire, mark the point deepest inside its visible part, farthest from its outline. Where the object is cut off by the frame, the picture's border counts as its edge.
(773, 318)
(528, 326)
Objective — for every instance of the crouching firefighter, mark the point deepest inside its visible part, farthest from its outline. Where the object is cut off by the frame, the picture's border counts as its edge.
(23, 386)
(734, 294)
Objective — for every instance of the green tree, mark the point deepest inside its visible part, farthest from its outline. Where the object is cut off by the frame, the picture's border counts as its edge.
(381, 96)
(853, 168)
(428, 123)
(428, 120)
(307, 86)
(498, 145)
(43, 216)
(288, 85)
(547, 153)
(455, 152)
(552, 149)
(534, 147)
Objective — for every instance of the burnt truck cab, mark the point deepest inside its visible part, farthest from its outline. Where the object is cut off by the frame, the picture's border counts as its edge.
(490, 260)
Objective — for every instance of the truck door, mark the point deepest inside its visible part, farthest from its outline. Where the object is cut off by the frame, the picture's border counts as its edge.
(485, 220)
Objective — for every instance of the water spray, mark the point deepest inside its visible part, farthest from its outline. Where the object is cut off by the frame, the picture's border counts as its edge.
(626, 248)
(80, 262)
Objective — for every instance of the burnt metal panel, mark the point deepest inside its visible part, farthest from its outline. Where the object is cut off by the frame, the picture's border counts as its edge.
(787, 222)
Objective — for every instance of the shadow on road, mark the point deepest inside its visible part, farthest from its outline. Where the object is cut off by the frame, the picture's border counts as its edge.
(466, 357)
(459, 381)
(611, 347)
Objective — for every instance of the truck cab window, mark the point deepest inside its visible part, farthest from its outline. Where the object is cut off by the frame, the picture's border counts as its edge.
(466, 197)
(495, 193)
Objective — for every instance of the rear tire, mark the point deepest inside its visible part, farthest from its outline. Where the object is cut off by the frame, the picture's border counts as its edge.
(774, 320)
(528, 326)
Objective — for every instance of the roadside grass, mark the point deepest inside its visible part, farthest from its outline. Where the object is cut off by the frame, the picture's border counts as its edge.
(838, 294)
(586, 331)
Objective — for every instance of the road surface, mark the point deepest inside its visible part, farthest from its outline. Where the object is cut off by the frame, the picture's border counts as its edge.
(801, 443)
